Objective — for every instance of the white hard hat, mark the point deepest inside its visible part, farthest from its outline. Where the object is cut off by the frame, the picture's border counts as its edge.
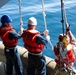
(61, 36)
(32, 21)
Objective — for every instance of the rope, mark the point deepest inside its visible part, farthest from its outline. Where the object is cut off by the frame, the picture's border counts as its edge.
(44, 17)
(65, 20)
(68, 69)
(62, 12)
(21, 22)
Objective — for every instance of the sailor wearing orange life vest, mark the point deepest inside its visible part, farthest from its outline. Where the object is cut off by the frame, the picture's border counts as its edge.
(10, 39)
(64, 52)
(34, 43)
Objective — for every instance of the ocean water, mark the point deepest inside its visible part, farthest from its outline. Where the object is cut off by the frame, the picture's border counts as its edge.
(52, 10)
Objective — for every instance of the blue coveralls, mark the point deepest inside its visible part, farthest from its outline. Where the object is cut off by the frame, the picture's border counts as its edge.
(13, 57)
(37, 63)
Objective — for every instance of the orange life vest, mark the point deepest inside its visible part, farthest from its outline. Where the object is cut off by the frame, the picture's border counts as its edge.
(7, 41)
(4, 29)
(66, 56)
(29, 38)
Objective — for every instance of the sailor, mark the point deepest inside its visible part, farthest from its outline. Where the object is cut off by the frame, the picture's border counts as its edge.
(68, 34)
(34, 43)
(63, 51)
(10, 39)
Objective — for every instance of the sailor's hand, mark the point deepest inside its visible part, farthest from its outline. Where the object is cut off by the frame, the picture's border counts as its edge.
(22, 29)
(21, 22)
(67, 26)
(20, 32)
(46, 32)
(48, 38)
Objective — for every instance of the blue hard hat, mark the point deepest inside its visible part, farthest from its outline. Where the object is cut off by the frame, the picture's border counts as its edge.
(6, 19)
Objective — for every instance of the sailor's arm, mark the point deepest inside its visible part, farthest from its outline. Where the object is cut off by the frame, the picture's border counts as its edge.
(40, 39)
(13, 35)
(68, 32)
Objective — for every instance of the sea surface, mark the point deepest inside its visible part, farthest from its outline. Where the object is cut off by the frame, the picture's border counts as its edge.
(52, 9)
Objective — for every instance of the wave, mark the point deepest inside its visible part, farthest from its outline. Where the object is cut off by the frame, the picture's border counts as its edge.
(32, 9)
(50, 7)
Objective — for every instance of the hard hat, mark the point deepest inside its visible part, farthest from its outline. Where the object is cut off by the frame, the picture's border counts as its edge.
(60, 36)
(6, 19)
(32, 21)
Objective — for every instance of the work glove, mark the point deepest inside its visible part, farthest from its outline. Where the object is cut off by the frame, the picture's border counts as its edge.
(20, 32)
(48, 38)
(67, 27)
(22, 29)
(46, 32)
